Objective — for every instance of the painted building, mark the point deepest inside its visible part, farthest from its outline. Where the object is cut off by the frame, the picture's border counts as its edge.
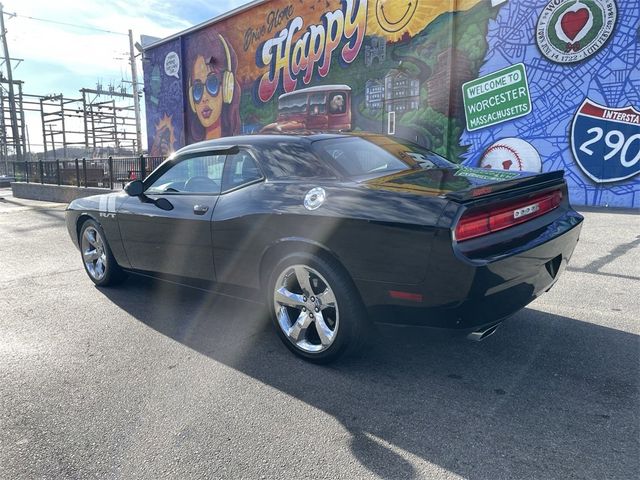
(538, 85)
(375, 51)
(444, 87)
(401, 92)
(374, 93)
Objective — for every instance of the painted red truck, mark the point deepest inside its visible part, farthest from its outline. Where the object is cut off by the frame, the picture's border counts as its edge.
(321, 108)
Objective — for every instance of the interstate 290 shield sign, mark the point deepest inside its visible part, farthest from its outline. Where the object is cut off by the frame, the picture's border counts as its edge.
(606, 141)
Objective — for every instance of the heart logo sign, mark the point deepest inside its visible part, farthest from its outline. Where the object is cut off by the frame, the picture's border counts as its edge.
(569, 31)
(575, 22)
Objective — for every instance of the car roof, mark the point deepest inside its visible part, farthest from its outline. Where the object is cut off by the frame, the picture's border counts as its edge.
(258, 140)
(299, 138)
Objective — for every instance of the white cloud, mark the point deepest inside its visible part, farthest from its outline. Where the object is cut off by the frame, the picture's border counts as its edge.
(78, 50)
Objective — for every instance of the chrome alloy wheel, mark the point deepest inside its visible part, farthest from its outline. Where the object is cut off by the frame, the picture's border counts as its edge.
(306, 308)
(94, 253)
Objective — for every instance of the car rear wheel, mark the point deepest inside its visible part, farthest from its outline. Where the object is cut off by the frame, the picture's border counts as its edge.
(317, 310)
(97, 258)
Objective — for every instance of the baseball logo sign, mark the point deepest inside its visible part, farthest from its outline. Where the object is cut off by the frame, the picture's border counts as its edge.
(606, 141)
(571, 30)
(512, 154)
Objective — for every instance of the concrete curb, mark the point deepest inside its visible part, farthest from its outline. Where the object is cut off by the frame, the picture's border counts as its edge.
(53, 193)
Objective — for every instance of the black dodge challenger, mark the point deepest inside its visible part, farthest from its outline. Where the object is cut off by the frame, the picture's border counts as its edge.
(336, 231)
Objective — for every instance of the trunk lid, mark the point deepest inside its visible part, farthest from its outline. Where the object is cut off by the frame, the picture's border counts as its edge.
(465, 184)
(490, 183)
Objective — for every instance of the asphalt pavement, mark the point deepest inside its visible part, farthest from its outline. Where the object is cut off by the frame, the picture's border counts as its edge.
(152, 380)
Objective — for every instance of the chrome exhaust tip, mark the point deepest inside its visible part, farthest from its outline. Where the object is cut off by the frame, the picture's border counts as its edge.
(483, 333)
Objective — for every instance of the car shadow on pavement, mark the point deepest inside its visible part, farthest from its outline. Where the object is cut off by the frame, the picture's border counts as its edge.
(545, 397)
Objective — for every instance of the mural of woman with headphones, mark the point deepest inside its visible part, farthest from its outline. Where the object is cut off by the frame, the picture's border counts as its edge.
(212, 89)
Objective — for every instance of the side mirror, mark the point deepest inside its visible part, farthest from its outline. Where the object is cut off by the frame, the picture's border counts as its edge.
(163, 204)
(134, 189)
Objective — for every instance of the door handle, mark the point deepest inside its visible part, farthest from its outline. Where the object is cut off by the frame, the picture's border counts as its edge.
(200, 209)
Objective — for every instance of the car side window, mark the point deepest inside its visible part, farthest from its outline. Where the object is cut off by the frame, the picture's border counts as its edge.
(288, 160)
(337, 103)
(240, 169)
(200, 174)
(318, 103)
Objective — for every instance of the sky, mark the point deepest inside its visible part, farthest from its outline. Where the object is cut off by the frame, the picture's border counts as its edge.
(62, 58)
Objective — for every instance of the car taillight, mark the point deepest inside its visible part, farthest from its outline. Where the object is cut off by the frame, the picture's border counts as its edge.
(477, 223)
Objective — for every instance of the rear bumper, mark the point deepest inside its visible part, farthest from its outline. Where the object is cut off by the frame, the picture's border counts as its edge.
(466, 294)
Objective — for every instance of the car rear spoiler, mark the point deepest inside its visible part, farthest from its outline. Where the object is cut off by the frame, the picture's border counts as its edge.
(542, 180)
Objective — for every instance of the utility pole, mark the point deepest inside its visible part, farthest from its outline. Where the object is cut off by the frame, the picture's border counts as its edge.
(136, 98)
(12, 99)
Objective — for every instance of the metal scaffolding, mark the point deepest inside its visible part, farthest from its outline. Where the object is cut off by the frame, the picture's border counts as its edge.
(55, 112)
(107, 123)
(100, 123)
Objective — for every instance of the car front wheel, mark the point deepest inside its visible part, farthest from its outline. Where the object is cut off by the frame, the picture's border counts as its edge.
(97, 258)
(317, 310)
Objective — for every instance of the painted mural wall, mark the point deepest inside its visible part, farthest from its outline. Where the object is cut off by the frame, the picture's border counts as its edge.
(538, 85)
(164, 99)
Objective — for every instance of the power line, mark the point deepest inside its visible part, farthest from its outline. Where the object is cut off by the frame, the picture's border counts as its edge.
(64, 23)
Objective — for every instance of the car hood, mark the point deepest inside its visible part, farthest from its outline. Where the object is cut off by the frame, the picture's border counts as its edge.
(97, 202)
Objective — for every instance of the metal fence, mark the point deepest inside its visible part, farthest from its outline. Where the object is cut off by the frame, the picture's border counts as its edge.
(5, 169)
(109, 172)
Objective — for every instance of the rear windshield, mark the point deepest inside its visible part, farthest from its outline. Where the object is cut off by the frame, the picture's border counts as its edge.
(362, 158)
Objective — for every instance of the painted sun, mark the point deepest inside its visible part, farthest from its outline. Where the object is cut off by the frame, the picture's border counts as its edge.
(393, 19)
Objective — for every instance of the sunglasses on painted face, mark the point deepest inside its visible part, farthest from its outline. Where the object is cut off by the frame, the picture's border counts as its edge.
(212, 84)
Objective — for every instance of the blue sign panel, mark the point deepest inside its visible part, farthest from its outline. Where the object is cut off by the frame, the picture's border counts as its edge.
(606, 141)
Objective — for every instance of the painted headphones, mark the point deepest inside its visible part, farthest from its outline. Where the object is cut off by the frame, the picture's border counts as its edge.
(228, 80)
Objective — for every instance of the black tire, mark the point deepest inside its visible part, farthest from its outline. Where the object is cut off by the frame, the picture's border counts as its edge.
(111, 274)
(350, 328)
